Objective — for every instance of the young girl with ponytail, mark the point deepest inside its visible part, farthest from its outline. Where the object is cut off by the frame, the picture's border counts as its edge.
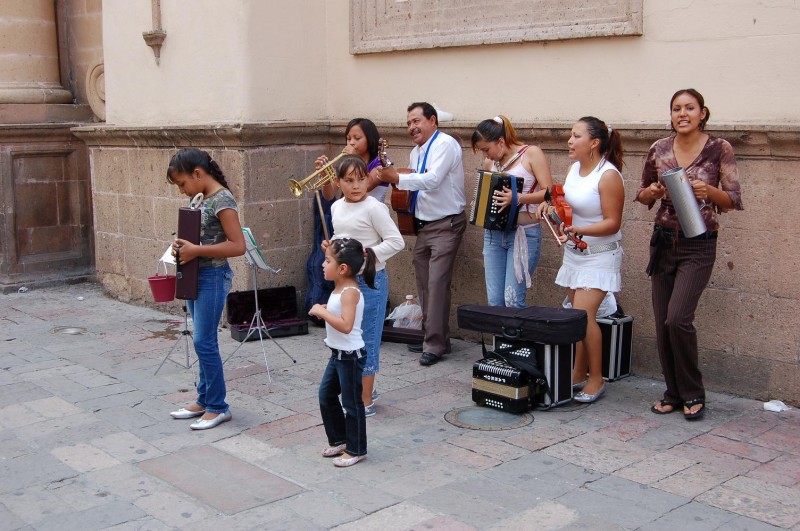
(346, 431)
(510, 258)
(193, 171)
(595, 191)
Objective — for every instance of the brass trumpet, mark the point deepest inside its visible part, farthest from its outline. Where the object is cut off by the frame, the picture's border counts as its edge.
(316, 180)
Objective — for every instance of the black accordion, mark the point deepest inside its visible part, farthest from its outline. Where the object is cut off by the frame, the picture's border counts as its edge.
(484, 212)
(498, 385)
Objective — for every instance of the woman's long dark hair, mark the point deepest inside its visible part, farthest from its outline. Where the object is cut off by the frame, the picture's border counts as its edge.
(610, 143)
(370, 131)
(350, 252)
(188, 159)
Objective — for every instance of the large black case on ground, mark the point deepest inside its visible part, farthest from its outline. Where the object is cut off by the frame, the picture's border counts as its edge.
(559, 326)
(278, 310)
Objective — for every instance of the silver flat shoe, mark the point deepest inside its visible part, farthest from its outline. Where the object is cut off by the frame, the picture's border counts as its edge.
(578, 386)
(184, 413)
(211, 423)
(342, 462)
(587, 398)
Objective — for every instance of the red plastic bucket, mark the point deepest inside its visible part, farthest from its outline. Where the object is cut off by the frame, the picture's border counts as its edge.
(163, 287)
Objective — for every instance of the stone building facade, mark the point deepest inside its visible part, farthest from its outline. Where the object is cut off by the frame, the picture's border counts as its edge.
(267, 86)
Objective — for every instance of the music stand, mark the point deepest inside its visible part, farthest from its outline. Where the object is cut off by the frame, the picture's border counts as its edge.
(186, 334)
(256, 261)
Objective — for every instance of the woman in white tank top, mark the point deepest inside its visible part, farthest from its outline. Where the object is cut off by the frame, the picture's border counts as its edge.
(510, 257)
(595, 191)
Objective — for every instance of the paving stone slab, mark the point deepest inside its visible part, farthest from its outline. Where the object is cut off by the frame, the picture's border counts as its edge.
(694, 516)
(9, 521)
(545, 516)
(37, 468)
(774, 504)
(608, 508)
(637, 494)
(101, 517)
(398, 517)
(220, 480)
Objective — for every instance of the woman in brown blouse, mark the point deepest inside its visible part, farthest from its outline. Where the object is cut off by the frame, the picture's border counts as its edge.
(680, 267)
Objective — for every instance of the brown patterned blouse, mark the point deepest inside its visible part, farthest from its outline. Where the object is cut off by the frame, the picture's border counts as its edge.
(716, 165)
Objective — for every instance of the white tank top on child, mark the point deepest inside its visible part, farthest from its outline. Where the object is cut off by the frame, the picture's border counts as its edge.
(336, 339)
(583, 195)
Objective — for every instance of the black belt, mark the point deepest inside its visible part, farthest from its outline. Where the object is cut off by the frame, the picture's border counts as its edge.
(709, 235)
(358, 353)
(420, 223)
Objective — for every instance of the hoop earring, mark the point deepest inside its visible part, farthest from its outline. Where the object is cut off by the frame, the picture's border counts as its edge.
(591, 156)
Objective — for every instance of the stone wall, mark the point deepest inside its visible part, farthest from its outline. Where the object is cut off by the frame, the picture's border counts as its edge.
(746, 320)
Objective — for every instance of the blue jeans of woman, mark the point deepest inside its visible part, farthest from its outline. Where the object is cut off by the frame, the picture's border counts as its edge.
(342, 377)
(206, 311)
(502, 288)
(372, 321)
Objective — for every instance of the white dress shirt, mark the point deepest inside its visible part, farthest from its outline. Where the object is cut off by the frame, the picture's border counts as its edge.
(440, 183)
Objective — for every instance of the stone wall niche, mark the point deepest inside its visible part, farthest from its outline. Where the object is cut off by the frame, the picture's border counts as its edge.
(387, 25)
(47, 218)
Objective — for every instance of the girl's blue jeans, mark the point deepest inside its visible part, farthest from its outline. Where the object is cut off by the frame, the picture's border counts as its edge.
(206, 311)
(374, 316)
(342, 377)
(502, 288)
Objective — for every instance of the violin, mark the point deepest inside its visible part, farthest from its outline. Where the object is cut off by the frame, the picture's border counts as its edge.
(559, 212)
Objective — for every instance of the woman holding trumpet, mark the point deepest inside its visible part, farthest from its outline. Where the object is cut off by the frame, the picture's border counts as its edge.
(361, 139)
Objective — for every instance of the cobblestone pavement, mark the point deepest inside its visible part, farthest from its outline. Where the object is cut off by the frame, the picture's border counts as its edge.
(86, 442)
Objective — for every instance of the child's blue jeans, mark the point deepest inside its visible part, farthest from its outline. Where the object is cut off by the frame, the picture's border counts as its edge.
(206, 311)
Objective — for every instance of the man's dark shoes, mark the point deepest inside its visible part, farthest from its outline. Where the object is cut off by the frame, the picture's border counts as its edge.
(429, 359)
(415, 347)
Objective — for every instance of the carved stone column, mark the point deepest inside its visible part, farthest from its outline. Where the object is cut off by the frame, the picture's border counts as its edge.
(29, 69)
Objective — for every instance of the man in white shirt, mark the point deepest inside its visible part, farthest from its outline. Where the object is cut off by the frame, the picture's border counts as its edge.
(437, 178)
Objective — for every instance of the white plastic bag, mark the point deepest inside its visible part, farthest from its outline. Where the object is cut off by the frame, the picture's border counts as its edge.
(607, 307)
(407, 315)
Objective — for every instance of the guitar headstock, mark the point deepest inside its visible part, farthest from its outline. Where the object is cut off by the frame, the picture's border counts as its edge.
(382, 156)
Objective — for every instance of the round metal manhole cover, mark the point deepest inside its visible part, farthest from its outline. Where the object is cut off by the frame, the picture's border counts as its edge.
(486, 419)
(69, 330)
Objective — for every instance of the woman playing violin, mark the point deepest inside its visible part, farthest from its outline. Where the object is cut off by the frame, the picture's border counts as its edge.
(681, 267)
(594, 190)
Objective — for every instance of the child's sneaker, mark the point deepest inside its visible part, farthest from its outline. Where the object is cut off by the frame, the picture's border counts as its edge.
(369, 410)
(374, 395)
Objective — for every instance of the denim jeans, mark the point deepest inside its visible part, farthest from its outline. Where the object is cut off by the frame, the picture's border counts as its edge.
(343, 377)
(206, 311)
(502, 288)
(374, 315)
